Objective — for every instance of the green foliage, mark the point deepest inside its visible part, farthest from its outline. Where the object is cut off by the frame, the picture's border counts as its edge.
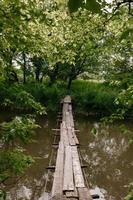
(93, 97)
(91, 5)
(2, 195)
(125, 98)
(75, 5)
(129, 196)
(124, 102)
(13, 162)
(20, 128)
(87, 96)
(15, 97)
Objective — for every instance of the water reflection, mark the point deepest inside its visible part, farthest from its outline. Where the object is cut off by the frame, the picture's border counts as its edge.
(108, 156)
(25, 193)
(99, 192)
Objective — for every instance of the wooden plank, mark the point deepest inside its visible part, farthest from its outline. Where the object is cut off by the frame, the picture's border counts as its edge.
(71, 134)
(67, 99)
(59, 171)
(58, 197)
(70, 124)
(65, 109)
(71, 116)
(70, 107)
(64, 135)
(78, 175)
(67, 117)
(68, 184)
(84, 194)
(61, 131)
(71, 137)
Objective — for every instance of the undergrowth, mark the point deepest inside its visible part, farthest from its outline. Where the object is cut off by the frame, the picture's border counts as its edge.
(87, 97)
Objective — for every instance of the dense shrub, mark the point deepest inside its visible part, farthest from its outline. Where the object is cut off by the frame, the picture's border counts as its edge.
(15, 97)
(88, 97)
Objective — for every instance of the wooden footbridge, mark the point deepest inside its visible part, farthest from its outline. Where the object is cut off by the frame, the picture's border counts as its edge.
(68, 183)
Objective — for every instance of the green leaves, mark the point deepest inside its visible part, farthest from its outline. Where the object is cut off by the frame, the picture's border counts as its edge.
(13, 162)
(2, 195)
(125, 98)
(127, 33)
(129, 196)
(15, 97)
(20, 128)
(91, 5)
(74, 5)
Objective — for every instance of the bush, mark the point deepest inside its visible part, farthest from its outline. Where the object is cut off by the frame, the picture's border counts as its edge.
(15, 97)
(93, 97)
(20, 128)
(13, 162)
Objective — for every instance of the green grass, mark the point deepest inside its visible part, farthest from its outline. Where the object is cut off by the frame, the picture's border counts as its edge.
(93, 97)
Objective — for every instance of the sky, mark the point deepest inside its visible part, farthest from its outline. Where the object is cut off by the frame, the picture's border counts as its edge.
(109, 1)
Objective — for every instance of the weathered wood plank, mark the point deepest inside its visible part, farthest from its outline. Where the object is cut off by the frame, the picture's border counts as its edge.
(68, 184)
(68, 181)
(65, 109)
(70, 123)
(71, 137)
(71, 116)
(59, 171)
(58, 197)
(67, 118)
(78, 175)
(84, 194)
(67, 99)
(64, 135)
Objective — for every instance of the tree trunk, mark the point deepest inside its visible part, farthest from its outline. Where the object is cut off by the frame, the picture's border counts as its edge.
(69, 83)
(37, 77)
(37, 73)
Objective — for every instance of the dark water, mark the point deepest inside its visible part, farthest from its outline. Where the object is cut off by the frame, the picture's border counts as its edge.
(108, 155)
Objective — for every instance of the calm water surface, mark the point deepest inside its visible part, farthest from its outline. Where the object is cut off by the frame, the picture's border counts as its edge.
(107, 154)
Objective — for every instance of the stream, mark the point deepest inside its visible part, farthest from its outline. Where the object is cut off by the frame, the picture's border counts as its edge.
(107, 155)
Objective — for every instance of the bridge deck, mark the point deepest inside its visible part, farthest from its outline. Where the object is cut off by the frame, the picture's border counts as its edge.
(68, 177)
